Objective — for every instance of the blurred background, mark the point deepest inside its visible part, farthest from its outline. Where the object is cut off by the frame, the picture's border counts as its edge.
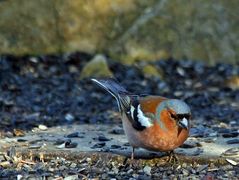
(126, 30)
(49, 50)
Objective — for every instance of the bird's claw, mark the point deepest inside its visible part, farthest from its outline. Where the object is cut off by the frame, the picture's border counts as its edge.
(172, 157)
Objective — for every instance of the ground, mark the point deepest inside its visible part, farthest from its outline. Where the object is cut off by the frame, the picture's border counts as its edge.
(55, 124)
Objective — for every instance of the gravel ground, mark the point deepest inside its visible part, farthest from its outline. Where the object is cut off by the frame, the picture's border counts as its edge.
(47, 90)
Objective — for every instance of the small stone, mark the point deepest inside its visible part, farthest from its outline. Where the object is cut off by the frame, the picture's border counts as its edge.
(114, 146)
(130, 171)
(233, 141)
(117, 130)
(73, 135)
(5, 164)
(180, 71)
(72, 177)
(59, 142)
(42, 127)
(230, 135)
(71, 145)
(11, 152)
(35, 146)
(19, 177)
(147, 170)
(115, 170)
(126, 144)
(88, 160)
(232, 152)
(213, 134)
(233, 82)
(190, 144)
(103, 138)
(73, 165)
(152, 71)
(69, 117)
(234, 163)
(185, 172)
(97, 67)
(18, 132)
(98, 145)
(73, 69)
(223, 125)
(21, 140)
(178, 93)
(201, 168)
(61, 146)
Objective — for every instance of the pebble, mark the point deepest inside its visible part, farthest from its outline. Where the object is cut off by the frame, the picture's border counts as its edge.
(130, 171)
(72, 177)
(197, 152)
(117, 130)
(59, 142)
(230, 135)
(190, 144)
(147, 170)
(88, 160)
(185, 172)
(5, 164)
(70, 144)
(114, 146)
(73, 165)
(232, 152)
(223, 125)
(18, 132)
(103, 138)
(69, 117)
(42, 127)
(35, 146)
(233, 141)
(73, 135)
(98, 145)
(234, 163)
(115, 170)
(201, 168)
(21, 140)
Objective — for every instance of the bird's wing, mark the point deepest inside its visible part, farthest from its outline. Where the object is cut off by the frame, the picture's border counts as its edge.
(149, 103)
(141, 110)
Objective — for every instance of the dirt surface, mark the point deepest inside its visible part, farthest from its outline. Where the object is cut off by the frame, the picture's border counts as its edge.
(55, 125)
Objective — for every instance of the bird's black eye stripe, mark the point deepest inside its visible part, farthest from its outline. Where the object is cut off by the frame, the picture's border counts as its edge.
(173, 116)
(181, 116)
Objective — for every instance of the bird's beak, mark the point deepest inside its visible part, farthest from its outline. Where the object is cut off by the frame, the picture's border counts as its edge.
(183, 123)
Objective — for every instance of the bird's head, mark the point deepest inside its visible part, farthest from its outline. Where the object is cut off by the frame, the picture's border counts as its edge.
(179, 112)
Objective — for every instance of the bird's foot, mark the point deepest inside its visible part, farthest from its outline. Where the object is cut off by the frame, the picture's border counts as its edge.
(132, 162)
(172, 158)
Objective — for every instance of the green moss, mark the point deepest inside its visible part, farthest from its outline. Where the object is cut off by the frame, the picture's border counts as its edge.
(97, 67)
(152, 71)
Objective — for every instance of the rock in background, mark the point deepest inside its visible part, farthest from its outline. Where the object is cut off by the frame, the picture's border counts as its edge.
(125, 29)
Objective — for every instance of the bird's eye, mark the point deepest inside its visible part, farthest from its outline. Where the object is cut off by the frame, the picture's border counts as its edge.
(173, 116)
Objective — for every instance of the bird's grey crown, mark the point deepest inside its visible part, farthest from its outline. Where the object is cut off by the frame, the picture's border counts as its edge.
(180, 107)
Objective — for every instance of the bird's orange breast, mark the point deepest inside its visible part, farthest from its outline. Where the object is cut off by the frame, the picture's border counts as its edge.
(157, 139)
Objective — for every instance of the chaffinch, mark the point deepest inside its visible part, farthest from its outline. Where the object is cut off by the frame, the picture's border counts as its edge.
(151, 122)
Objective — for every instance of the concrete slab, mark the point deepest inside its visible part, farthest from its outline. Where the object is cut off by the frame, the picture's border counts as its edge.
(98, 140)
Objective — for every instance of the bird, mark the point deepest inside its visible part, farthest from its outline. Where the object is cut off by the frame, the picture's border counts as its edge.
(151, 122)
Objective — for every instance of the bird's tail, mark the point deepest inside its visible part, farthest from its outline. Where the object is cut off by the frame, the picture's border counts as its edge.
(117, 91)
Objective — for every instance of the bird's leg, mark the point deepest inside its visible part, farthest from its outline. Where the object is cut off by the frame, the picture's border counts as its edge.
(132, 160)
(172, 157)
(132, 154)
